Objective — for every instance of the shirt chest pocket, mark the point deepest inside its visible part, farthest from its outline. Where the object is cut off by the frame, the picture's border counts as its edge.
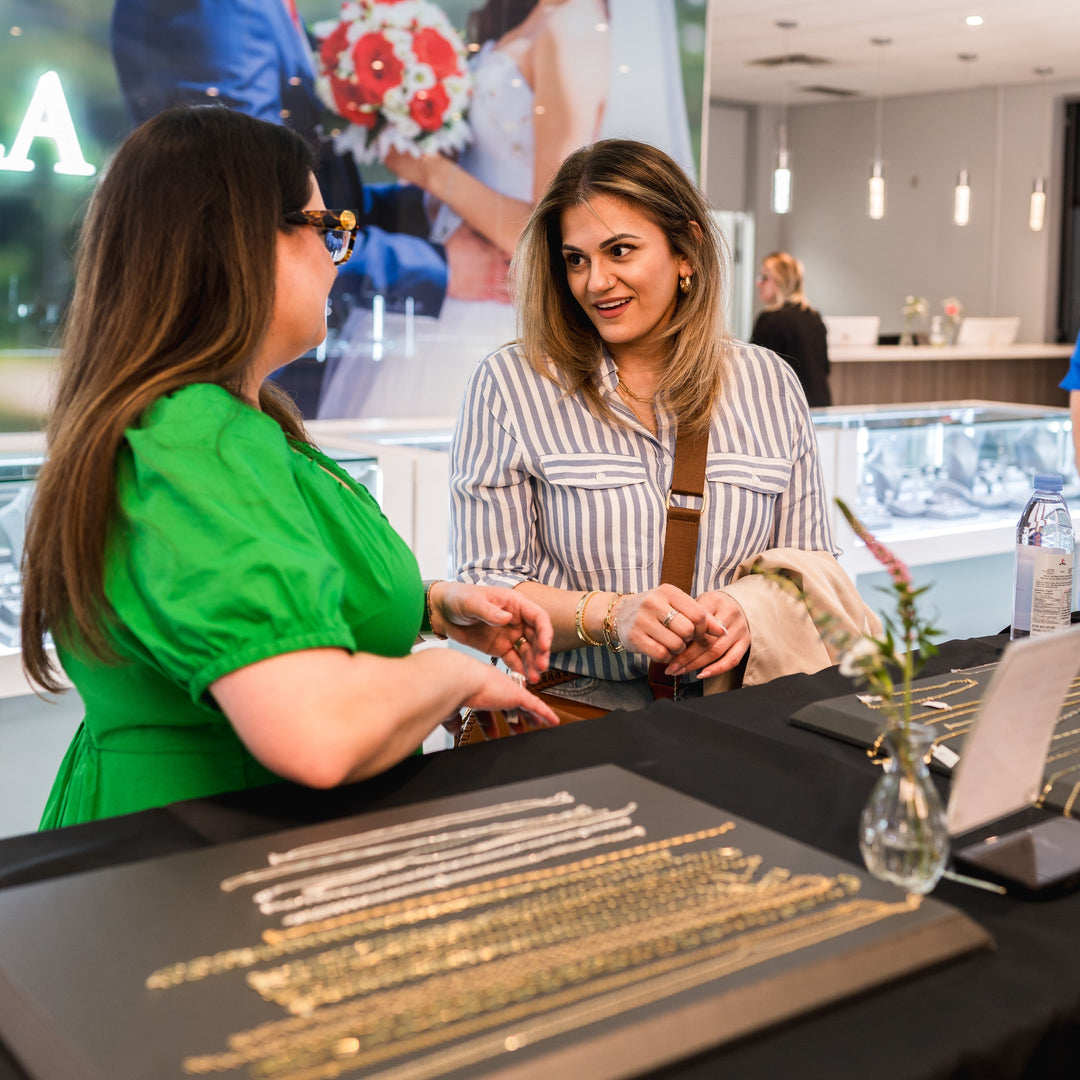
(740, 516)
(594, 510)
(764, 476)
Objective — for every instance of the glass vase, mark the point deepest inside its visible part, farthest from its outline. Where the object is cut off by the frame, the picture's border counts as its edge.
(902, 833)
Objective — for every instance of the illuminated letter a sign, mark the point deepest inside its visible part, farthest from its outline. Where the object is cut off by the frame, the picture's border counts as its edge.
(47, 117)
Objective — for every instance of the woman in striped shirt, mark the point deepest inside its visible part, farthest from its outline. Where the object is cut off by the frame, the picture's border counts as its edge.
(562, 458)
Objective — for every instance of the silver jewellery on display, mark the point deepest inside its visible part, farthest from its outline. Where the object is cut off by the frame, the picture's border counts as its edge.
(668, 617)
(516, 862)
(358, 845)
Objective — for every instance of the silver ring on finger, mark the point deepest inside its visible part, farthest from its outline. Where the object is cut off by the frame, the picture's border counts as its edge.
(668, 617)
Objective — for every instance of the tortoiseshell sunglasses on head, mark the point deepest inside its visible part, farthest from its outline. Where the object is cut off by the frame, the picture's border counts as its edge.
(338, 229)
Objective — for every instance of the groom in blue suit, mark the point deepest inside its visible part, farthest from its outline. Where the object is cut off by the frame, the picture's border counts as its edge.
(251, 55)
(254, 55)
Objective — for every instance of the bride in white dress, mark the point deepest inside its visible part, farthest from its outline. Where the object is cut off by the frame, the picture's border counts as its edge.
(569, 72)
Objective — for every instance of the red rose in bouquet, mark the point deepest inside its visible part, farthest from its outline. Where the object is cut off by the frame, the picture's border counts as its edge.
(397, 71)
(428, 107)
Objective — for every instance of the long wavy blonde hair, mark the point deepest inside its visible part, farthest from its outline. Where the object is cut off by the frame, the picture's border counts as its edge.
(556, 332)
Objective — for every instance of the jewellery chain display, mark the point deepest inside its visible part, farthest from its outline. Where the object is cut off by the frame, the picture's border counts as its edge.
(581, 914)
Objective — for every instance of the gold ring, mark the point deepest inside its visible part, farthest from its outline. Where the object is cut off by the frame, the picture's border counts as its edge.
(668, 617)
(523, 640)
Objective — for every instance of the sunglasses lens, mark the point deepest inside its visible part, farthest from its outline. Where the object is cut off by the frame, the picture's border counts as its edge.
(337, 243)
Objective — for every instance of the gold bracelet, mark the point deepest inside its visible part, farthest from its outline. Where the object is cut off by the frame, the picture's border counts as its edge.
(579, 619)
(611, 625)
(427, 607)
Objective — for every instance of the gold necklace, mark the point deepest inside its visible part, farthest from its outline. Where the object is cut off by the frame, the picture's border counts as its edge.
(284, 942)
(634, 397)
(363, 1033)
(874, 701)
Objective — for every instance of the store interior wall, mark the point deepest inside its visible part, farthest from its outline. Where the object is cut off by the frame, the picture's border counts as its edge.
(1004, 136)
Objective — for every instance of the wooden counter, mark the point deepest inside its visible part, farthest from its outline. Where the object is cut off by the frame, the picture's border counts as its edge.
(889, 374)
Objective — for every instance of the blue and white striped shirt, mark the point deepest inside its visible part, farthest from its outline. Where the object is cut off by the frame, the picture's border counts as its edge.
(542, 490)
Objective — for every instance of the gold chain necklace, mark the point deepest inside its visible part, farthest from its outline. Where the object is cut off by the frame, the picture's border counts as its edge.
(634, 397)
(279, 943)
(874, 701)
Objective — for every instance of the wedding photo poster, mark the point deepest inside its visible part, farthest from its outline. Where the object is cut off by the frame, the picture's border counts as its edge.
(386, 90)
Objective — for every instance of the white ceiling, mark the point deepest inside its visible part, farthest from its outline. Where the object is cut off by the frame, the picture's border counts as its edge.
(1016, 38)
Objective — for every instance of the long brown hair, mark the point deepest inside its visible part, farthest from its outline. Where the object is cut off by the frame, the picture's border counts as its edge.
(554, 328)
(174, 285)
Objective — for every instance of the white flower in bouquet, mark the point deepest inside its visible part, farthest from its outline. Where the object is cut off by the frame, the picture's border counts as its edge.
(397, 72)
(915, 307)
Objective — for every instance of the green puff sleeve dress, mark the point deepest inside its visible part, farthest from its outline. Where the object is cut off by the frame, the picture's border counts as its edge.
(231, 544)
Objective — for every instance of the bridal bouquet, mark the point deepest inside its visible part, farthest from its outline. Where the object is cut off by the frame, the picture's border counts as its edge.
(396, 70)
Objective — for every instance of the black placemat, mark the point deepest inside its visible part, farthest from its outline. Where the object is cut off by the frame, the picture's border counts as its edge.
(594, 921)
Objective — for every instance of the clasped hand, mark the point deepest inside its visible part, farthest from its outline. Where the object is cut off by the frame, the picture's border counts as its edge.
(707, 635)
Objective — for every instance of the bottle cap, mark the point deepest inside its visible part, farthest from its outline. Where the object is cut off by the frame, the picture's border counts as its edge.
(1048, 481)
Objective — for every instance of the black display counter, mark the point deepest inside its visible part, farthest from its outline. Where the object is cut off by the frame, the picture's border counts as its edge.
(1010, 1012)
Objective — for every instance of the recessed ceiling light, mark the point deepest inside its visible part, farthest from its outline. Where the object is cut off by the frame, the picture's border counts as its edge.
(974, 20)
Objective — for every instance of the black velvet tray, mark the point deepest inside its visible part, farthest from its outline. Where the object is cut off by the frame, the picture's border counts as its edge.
(593, 944)
(854, 720)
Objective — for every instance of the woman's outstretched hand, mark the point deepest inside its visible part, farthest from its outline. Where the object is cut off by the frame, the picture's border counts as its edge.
(507, 693)
(494, 620)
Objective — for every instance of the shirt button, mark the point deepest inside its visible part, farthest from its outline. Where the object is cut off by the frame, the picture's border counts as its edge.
(601, 476)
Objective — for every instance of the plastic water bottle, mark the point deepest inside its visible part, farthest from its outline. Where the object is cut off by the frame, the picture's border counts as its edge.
(1043, 580)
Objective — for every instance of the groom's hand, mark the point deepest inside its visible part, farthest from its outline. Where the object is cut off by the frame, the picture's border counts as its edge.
(476, 269)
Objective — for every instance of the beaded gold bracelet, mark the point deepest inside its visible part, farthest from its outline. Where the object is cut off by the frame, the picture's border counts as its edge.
(579, 619)
(428, 586)
(611, 625)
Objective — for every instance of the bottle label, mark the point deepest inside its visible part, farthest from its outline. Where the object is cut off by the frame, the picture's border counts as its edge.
(1043, 590)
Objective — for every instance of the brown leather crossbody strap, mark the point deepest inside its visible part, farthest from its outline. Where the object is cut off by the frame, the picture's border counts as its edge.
(681, 534)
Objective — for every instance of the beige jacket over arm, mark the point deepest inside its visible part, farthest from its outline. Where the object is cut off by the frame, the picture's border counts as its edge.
(783, 636)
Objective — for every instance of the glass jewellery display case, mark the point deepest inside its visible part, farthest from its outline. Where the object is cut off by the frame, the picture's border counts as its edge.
(19, 466)
(943, 485)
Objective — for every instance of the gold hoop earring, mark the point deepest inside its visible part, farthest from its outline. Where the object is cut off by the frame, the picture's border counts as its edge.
(686, 284)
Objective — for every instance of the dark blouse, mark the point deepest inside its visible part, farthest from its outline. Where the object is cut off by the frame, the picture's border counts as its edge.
(798, 335)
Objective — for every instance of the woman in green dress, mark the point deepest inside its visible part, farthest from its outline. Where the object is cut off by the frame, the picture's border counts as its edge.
(231, 605)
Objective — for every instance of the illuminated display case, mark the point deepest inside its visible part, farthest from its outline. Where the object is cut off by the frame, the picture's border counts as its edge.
(17, 473)
(19, 468)
(943, 485)
(917, 472)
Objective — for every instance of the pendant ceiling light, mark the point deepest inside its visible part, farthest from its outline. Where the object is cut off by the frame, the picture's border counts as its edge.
(781, 178)
(961, 214)
(1037, 206)
(962, 191)
(875, 191)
